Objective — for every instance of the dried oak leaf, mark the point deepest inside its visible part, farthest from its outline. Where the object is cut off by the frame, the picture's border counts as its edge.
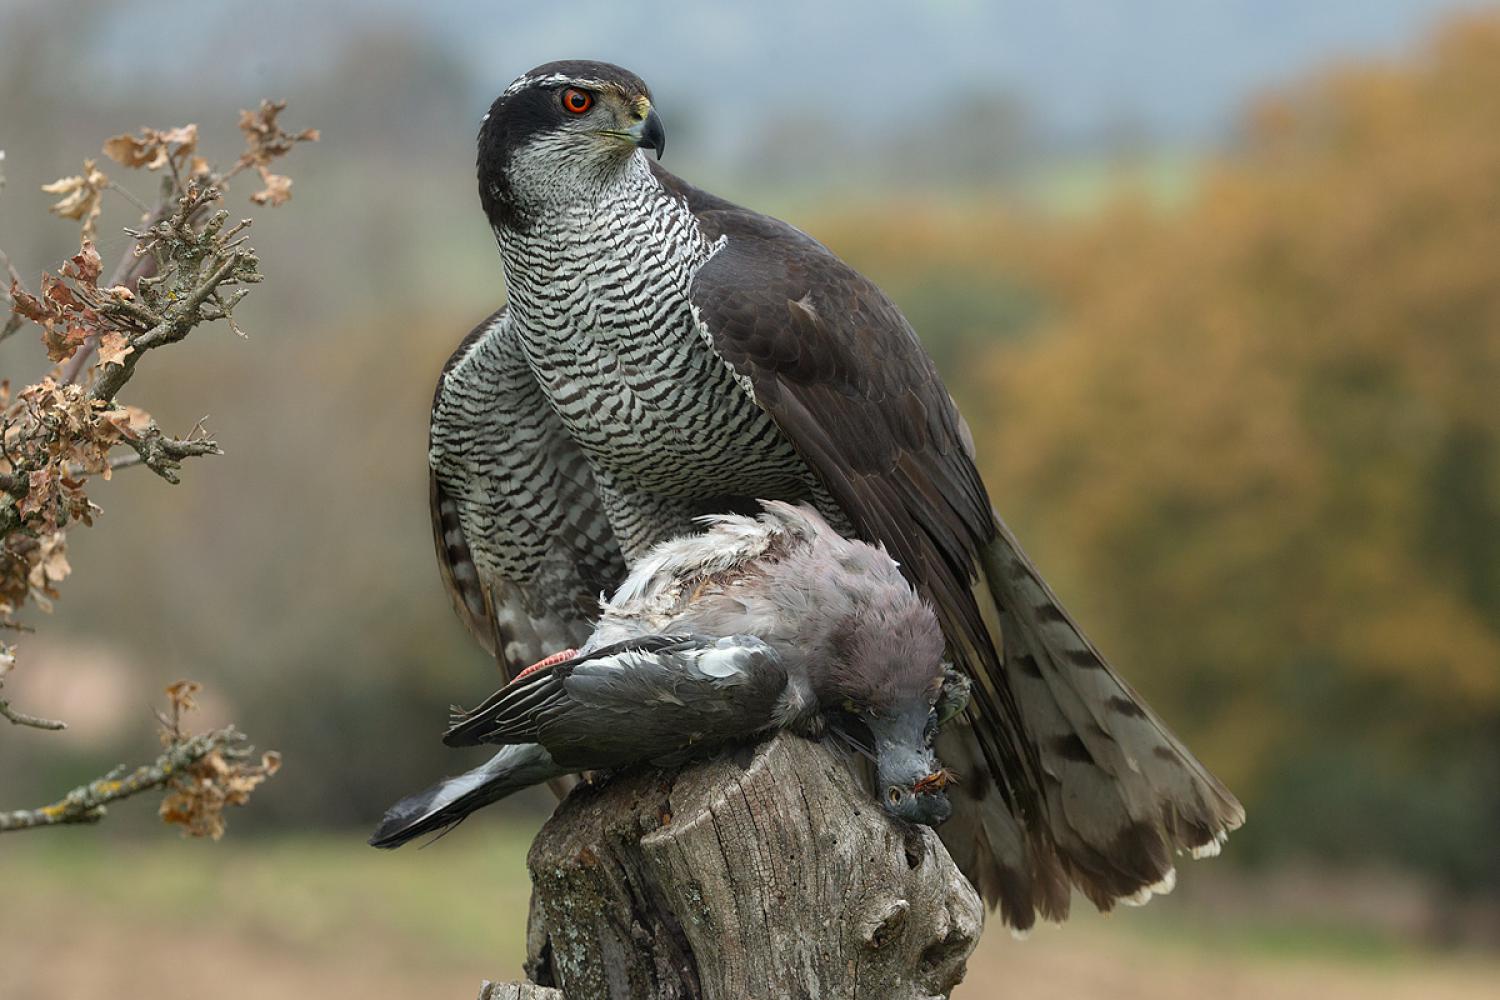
(278, 189)
(51, 566)
(130, 421)
(17, 553)
(113, 348)
(154, 148)
(62, 345)
(66, 319)
(41, 491)
(82, 194)
(265, 140)
(28, 305)
(181, 695)
(200, 794)
(77, 501)
(85, 265)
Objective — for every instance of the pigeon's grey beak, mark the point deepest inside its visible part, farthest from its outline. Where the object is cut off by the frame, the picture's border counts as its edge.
(648, 133)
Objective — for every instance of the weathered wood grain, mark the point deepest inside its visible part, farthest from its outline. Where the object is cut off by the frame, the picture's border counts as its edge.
(517, 991)
(770, 872)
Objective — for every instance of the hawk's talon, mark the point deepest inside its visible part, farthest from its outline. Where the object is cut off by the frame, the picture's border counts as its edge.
(953, 696)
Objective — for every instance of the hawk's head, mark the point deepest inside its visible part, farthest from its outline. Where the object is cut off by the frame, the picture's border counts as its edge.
(561, 131)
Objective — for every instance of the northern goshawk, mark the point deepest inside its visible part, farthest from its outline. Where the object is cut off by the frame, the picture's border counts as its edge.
(666, 354)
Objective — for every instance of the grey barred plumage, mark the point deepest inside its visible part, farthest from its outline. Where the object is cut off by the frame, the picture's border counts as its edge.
(598, 292)
(505, 473)
(667, 354)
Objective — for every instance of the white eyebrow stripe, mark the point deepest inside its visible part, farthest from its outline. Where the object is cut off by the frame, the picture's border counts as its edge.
(551, 79)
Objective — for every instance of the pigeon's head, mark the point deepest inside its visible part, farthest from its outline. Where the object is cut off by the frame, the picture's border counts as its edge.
(911, 782)
(560, 135)
(876, 651)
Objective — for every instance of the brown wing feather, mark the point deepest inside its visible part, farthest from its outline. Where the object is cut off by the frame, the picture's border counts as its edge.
(1072, 778)
(837, 365)
(470, 599)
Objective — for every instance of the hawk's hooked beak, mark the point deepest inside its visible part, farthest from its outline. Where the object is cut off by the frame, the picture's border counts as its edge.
(648, 133)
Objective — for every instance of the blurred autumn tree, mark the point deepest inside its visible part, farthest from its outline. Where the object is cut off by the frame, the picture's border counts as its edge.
(1260, 440)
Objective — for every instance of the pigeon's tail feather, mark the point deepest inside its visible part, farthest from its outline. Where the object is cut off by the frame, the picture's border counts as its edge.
(1116, 797)
(435, 809)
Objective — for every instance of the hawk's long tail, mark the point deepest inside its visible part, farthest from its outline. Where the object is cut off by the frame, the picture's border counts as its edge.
(1114, 797)
(450, 800)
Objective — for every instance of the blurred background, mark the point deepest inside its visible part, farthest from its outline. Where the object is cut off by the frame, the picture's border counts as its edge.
(1216, 285)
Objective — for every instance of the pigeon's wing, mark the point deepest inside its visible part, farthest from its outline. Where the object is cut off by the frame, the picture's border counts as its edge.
(642, 700)
(1074, 780)
(523, 543)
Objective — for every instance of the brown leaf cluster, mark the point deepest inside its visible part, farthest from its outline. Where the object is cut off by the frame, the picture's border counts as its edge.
(31, 567)
(265, 141)
(82, 196)
(197, 797)
(72, 307)
(51, 432)
(157, 148)
(56, 434)
(54, 437)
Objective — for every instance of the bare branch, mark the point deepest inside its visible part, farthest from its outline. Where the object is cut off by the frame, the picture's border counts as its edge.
(128, 273)
(22, 719)
(16, 320)
(203, 264)
(124, 192)
(163, 455)
(86, 803)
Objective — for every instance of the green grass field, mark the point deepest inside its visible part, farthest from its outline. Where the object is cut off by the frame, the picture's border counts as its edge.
(326, 916)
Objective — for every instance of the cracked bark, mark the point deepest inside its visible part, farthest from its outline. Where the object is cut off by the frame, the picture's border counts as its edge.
(517, 991)
(769, 872)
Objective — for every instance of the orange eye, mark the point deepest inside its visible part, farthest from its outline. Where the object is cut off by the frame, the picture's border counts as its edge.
(577, 101)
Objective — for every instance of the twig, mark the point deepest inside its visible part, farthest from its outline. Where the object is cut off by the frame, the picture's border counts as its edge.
(22, 719)
(86, 803)
(125, 193)
(158, 452)
(163, 455)
(128, 272)
(16, 320)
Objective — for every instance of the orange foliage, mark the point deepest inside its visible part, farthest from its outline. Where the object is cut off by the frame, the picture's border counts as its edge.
(1261, 438)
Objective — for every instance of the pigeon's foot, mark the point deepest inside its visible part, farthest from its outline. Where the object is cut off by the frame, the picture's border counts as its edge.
(549, 661)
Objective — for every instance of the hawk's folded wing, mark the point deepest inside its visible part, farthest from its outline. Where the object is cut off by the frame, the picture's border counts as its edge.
(523, 545)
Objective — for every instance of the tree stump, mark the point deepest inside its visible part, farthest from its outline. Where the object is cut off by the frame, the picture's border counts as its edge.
(517, 991)
(766, 873)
